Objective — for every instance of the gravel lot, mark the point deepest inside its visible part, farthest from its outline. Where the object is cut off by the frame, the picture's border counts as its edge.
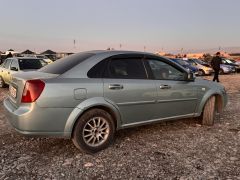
(174, 150)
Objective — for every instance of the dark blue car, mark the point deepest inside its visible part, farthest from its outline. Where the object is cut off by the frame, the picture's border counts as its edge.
(186, 65)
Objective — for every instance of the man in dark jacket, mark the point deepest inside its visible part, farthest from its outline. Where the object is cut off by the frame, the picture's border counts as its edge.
(9, 55)
(216, 61)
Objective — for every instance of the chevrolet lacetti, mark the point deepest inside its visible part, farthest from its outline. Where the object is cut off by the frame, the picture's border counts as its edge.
(87, 96)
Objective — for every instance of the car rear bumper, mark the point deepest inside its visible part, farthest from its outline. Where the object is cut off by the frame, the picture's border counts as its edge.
(29, 119)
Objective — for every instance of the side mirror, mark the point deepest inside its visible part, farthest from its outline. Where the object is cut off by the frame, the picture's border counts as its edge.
(14, 69)
(190, 76)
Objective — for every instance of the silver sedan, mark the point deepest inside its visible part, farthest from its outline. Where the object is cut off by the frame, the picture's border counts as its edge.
(88, 96)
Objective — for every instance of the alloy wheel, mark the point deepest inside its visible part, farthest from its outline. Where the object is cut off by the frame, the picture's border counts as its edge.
(96, 131)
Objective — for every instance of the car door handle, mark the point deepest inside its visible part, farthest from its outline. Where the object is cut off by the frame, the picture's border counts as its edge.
(164, 86)
(115, 86)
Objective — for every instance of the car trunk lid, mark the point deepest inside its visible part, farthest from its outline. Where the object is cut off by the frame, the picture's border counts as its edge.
(18, 82)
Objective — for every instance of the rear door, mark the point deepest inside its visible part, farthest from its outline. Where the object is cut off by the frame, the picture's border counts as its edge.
(126, 85)
(176, 97)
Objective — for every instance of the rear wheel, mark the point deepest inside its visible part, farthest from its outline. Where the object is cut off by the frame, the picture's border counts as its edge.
(2, 83)
(93, 131)
(209, 112)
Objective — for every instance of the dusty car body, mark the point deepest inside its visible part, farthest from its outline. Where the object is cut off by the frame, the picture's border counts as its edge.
(90, 95)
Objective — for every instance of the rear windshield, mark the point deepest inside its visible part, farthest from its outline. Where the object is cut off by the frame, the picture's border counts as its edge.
(30, 64)
(63, 65)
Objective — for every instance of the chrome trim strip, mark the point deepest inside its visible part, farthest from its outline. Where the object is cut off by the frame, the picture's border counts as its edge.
(136, 103)
(153, 102)
(161, 119)
(176, 100)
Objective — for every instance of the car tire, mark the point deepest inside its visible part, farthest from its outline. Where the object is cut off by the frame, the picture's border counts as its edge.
(209, 111)
(94, 131)
(2, 83)
(201, 72)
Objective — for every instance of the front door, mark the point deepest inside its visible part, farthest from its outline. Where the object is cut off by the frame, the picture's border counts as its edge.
(176, 97)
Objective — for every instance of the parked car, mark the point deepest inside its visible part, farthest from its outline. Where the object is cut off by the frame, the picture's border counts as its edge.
(40, 56)
(186, 65)
(203, 67)
(11, 66)
(87, 96)
(226, 69)
(231, 63)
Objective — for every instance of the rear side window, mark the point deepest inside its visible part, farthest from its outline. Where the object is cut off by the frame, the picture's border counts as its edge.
(63, 65)
(30, 64)
(125, 69)
(97, 70)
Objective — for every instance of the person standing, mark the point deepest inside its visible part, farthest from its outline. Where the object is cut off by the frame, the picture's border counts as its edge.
(216, 61)
(9, 55)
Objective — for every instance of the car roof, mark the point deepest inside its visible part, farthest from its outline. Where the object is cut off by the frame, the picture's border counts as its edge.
(116, 52)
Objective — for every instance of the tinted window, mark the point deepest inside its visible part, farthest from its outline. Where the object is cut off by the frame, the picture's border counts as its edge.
(63, 65)
(164, 71)
(30, 64)
(126, 69)
(97, 70)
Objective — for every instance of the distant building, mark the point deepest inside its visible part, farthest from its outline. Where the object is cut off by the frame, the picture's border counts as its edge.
(50, 54)
(195, 55)
(62, 54)
(235, 56)
(160, 53)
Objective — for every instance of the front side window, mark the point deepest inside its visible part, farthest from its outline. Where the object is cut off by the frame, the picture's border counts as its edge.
(128, 68)
(164, 71)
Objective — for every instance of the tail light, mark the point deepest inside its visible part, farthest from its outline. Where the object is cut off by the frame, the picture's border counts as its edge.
(32, 90)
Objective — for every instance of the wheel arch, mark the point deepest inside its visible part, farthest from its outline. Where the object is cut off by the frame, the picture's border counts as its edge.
(88, 105)
(219, 102)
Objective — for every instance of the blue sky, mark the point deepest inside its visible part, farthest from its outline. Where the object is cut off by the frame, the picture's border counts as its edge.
(166, 25)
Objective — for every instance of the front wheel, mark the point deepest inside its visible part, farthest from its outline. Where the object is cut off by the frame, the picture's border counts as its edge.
(209, 111)
(2, 83)
(201, 72)
(93, 131)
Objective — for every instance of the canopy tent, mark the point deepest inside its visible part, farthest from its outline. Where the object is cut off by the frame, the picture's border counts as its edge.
(28, 52)
(50, 52)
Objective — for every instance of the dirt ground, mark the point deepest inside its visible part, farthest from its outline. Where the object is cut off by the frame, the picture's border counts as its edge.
(181, 149)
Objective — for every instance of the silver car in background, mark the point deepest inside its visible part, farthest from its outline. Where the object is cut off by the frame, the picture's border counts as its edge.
(18, 64)
(88, 96)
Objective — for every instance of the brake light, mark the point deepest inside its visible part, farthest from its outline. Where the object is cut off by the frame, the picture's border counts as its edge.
(32, 90)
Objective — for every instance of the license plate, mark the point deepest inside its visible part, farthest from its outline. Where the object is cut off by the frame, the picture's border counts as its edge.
(13, 91)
